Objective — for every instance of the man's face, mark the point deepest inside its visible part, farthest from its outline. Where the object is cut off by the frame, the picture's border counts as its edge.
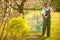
(46, 5)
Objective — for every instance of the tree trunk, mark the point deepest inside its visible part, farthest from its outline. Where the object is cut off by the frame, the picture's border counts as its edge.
(20, 7)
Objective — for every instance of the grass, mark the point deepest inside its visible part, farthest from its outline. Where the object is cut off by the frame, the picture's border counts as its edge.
(55, 22)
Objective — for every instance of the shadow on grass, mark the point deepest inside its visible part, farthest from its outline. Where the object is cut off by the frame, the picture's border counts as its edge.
(38, 37)
(42, 38)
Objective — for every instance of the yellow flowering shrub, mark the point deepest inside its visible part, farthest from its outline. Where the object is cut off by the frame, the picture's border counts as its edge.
(18, 27)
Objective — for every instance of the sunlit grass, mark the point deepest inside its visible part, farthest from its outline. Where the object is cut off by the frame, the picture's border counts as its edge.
(55, 23)
(55, 26)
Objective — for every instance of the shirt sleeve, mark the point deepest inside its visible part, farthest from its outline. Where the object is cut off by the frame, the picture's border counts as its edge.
(43, 12)
(51, 9)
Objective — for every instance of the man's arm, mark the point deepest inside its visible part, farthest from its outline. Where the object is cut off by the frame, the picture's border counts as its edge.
(44, 16)
(52, 9)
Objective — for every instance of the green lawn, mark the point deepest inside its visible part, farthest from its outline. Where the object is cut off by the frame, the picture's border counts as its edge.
(55, 27)
(55, 24)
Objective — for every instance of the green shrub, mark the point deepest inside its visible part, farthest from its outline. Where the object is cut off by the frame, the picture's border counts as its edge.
(18, 27)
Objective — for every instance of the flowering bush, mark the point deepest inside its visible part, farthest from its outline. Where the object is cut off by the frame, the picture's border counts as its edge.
(18, 27)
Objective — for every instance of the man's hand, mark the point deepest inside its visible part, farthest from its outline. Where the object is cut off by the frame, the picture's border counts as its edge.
(53, 8)
(46, 17)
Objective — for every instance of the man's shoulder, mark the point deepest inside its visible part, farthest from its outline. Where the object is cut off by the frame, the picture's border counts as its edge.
(43, 8)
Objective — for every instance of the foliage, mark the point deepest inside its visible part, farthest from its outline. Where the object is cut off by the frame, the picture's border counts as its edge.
(18, 27)
(38, 7)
